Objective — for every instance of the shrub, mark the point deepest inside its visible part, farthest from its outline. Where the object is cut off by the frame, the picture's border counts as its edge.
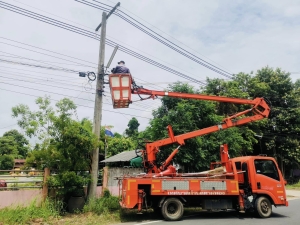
(107, 203)
(68, 183)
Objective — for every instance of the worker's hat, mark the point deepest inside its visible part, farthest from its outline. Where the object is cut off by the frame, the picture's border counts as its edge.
(121, 62)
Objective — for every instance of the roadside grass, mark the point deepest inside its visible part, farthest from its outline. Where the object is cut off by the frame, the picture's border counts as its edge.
(105, 210)
(37, 216)
(33, 212)
(293, 186)
(107, 218)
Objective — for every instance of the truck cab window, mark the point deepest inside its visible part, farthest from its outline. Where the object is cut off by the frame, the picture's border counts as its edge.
(266, 168)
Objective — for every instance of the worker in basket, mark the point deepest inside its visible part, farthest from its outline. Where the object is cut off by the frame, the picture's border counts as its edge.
(120, 68)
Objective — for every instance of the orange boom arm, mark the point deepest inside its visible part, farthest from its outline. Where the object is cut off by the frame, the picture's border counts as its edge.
(259, 110)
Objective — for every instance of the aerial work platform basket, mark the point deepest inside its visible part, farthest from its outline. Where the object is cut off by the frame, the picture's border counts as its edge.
(120, 88)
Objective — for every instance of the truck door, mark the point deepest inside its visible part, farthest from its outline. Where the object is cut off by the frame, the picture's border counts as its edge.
(269, 179)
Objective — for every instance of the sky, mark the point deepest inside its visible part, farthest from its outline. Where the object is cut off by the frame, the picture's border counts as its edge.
(235, 35)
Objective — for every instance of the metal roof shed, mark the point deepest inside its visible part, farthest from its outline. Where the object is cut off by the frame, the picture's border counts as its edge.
(121, 157)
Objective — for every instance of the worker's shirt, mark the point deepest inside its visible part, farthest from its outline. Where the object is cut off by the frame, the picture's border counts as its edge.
(121, 69)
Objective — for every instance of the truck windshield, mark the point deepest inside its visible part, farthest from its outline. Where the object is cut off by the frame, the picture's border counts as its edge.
(266, 168)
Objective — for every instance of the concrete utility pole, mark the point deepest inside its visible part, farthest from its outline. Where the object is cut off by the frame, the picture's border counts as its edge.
(98, 103)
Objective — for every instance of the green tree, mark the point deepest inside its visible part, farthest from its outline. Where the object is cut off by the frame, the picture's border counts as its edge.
(40, 123)
(133, 126)
(116, 145)
(297, 84)
(117, 135)
(8, 146)
(281, 138)
(21, 141)
(66, 144)
(186, 115)
(6, 162)
(281, 131)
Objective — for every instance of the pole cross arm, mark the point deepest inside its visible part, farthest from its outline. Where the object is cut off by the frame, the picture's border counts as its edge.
(108, 15)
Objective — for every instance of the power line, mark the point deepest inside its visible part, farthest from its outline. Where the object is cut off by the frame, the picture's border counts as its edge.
(165, 33)
(44, 90)
(162, 40)
(47, 79)
(66, 88)
(57, 93)
(107, 35)
(48, 85)
(51, 74)
(8, 126)
(47, 51)
(137, 104)
(148, 83)
(38, 66)
(76, 104)
(9, 55)
(94, 36)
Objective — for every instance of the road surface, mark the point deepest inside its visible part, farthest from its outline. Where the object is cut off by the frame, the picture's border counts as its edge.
(281, 216)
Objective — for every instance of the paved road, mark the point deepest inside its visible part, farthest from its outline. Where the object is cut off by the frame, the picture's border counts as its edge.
(281, 216)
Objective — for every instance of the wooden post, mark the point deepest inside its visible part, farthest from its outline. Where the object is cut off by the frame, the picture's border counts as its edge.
(104, 179)
(45, 185)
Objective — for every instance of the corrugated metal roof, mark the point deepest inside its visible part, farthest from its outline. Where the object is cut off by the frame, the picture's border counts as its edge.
(121, 157)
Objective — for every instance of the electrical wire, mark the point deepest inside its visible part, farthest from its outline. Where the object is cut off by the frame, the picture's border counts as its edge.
(161, 39)
(39, 66)
(9, 55)
(76, 104)
(48, 85)
(45, 50)
(160, 31)
(34, 82)
(5, 72)
(50, 92)
(150, 84)
(58, 93)
(92, 28)
(8, 126)
(147, 83)
(51, 74)
(94, 36)
(58, 81)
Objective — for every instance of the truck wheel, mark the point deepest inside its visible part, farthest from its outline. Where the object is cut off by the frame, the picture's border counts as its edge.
(263, 207)
(172, 209)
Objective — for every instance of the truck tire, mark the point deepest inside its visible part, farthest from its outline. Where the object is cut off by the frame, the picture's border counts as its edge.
(172, 209)
(263, 207)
